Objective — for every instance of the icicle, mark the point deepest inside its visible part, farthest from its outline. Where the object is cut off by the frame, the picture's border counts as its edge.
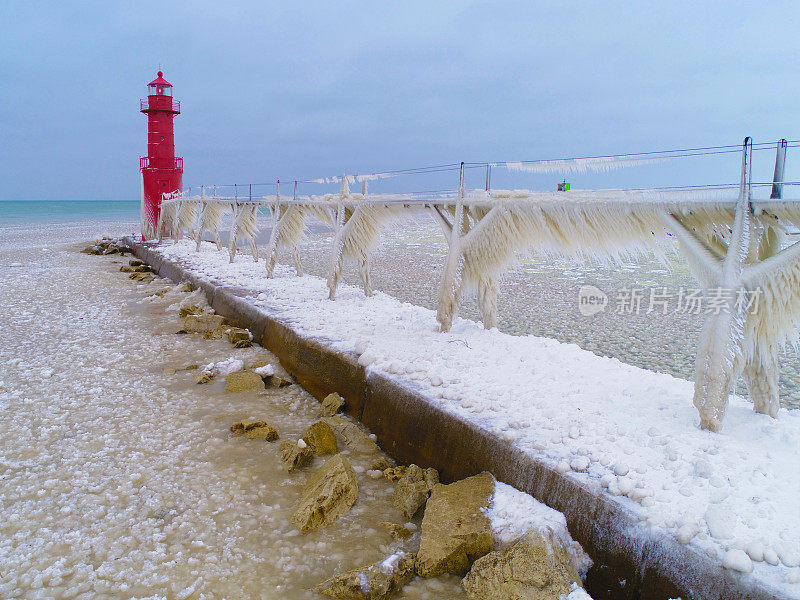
(580, 165)
(245, 227)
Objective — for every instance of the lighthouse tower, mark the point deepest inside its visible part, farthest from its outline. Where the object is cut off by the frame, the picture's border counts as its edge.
(162, 171)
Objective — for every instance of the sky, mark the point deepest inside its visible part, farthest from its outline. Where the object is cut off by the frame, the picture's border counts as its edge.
(304, 89)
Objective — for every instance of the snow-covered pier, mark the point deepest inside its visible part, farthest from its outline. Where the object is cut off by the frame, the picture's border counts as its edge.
(664, 508)
(734, 243)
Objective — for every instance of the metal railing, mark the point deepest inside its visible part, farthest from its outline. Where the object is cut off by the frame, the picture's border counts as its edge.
(175, 106)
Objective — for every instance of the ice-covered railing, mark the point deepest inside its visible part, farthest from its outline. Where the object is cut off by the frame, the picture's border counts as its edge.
(733, 236)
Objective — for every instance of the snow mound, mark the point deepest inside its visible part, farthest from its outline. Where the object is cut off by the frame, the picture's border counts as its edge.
(514, 513)
(225, 367)
(265, 371)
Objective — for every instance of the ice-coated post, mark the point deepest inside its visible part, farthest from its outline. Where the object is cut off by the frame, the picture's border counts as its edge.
(747, 157)
(449, 286)
(488, 177)
(277, 212)
(344, 190)
(777, 177)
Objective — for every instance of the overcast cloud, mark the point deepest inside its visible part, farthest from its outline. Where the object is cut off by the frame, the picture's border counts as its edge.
(304, 89)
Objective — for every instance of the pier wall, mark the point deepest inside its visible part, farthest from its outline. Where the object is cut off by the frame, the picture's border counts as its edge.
(631, 560)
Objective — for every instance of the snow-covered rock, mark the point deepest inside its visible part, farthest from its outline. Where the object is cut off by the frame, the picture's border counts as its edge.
(514, 513)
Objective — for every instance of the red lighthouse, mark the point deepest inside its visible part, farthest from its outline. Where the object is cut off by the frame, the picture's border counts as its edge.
(162, 171)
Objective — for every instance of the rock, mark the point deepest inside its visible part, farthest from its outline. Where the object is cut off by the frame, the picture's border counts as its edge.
(277, 381)
(202, 323)
(413, 489)
(536, 567)
(255, 430)
(239, 338)
(111, 249)
(352, 435)
(143, 277)
(135, 262)
(398, 532)
(373, 582)
(320, 438)
(141, 269)
(189, 309)
(394, 473)
(455, 531)
(381, 464)
(265, 432)
(295, 456)
(332, 404)
(204, 377)
(244, 381)
(329, 493)
(126, 269)
(186, 287)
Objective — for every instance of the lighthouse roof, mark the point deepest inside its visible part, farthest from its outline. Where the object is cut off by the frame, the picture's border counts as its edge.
(159, 80)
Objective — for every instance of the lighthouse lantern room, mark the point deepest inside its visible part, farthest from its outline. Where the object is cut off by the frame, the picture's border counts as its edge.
(162, 171)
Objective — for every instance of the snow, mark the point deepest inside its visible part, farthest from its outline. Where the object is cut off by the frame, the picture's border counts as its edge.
(577, 593)
(514, 513)
(737, 560)
(266, 370)
(637, 429)
(389, 565)
(225, 367)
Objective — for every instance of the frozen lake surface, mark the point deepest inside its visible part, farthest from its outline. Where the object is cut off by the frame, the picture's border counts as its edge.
(120, 480)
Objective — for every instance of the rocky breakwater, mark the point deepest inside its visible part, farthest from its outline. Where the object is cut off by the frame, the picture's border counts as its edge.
(502, 542)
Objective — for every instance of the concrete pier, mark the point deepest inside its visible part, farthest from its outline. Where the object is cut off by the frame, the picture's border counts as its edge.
(631, 561)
